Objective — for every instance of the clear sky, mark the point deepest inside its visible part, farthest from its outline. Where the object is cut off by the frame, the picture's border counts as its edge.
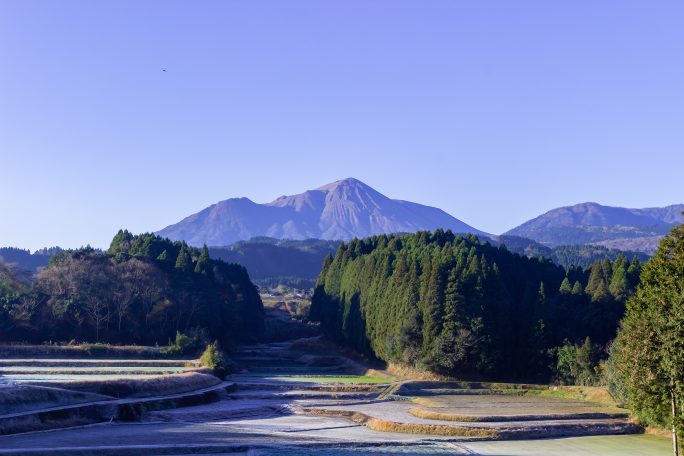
(137, 113)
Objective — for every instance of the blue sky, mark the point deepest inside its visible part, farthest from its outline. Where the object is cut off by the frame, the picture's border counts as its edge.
(495, 111)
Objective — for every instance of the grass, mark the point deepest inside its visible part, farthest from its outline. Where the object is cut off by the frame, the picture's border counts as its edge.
(430, 415)
(612, 445)
(381, 425)
(518, 405)
(599, 395)
(462, 385)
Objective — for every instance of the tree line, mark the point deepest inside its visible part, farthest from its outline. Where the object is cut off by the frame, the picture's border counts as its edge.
(144, 289)
(455, 306)
(648, 353)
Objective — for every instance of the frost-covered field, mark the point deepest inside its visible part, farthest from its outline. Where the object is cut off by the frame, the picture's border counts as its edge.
(287, 400)
(639, 445)
(60, 369)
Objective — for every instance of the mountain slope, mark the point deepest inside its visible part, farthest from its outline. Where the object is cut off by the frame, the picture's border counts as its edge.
(582, 255)
(613, 227)
(341, 210)
(272, 261)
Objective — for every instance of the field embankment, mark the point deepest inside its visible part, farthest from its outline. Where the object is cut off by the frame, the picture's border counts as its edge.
(103, 351)
(102, 409)
(46, 387)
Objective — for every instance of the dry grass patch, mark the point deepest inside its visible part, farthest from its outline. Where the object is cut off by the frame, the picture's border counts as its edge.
(430, 429)
(430, 415)
(427, 402)
(454, 387)
(402, 371)
(381, 425)
(595, 394)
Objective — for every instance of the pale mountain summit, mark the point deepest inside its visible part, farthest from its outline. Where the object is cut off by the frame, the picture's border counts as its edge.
(341, 210)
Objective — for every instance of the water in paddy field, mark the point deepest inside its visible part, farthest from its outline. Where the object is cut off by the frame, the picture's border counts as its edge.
(614, 445)
(346, 450)
(35, 378)
(61, 369)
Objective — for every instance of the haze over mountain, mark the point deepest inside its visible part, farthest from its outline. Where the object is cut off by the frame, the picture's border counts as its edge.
(340, 210)
(592, 223)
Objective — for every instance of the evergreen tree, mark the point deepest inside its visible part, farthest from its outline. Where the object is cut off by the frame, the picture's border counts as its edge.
(650, 360)
(121, 242)
(619, 286)
(432, 305)
(597, 285)
(183, 260)
(203, 261)
(565, 287)
(453, 301)
(451, 304)
(633, 273)
(130, 295)
(577, 289)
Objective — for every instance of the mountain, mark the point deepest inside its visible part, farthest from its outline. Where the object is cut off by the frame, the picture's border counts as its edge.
(341, 210)
(612, 227)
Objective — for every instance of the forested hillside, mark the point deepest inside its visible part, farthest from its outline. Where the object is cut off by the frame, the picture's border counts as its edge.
(27, 260)
(581, 255)
(142, 290)
(272, 261)
(452, 305)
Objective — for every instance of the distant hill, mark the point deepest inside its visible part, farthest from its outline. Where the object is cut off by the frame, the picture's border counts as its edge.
(341, 210)
(24, 259)
(272, 261)
(612, 227)
(582, 255)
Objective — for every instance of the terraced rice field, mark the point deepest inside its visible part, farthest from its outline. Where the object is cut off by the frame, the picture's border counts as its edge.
(450, 409)
(501, 408)
(60, 369)
(328, 378)
(332, 408)
(632, 445)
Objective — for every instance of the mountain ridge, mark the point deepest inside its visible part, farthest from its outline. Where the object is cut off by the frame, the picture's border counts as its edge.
(340, 210)
(610, 226)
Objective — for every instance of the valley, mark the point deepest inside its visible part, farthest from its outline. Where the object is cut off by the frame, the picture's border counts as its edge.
(341, 228)
(306, 396)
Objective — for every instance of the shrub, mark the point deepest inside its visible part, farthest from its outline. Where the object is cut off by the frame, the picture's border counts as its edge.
(214, 358)
(578, 364)
(187, 344)
(611, 375)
